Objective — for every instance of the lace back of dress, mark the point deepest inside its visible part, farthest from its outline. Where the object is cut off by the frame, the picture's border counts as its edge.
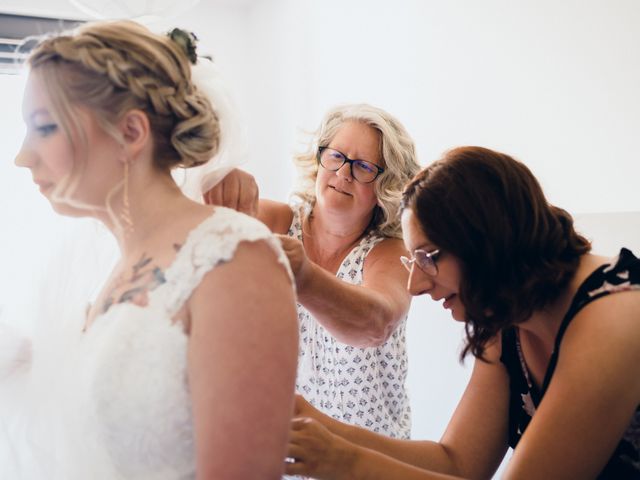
(212, 242)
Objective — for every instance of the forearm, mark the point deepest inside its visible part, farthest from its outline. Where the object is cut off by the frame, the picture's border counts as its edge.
(419, 453)
(354, 314)
(360, 463)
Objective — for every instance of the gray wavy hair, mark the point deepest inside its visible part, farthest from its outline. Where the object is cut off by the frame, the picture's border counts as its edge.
(398, 156)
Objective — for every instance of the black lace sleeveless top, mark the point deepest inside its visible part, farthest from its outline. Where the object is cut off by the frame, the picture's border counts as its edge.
(621, 275)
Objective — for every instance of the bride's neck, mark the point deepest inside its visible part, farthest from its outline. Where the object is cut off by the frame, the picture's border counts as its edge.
(150, 208)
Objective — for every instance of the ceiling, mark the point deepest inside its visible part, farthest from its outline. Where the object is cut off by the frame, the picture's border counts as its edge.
(64, 8)
(44, 8)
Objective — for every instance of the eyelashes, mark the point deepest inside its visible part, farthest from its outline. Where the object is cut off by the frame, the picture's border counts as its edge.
(46, 130)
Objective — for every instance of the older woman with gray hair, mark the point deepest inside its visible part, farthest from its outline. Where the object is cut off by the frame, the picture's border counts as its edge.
(343, 240)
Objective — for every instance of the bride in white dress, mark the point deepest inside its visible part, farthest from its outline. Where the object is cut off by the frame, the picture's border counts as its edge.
(184, 366)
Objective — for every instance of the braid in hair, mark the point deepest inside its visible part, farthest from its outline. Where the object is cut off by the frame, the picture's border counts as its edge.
(112, 67)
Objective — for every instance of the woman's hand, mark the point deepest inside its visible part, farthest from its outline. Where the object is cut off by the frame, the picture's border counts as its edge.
(300, 264)
(316, 452)
(303, 408)
(237, 190)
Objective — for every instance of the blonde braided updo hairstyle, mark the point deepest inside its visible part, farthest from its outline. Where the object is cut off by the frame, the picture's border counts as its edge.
(113, 67)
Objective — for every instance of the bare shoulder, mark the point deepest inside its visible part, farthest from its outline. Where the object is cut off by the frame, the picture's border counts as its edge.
(385, 256)
(389, 249)
(493, 350)
(253, 284)
(615, 316)
(383, 271)
(612, 321)
(490, 361)
(275, 215)
(603, 341)
(254, 262)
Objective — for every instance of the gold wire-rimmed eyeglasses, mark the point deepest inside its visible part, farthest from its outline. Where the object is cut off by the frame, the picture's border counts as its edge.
(426, 261)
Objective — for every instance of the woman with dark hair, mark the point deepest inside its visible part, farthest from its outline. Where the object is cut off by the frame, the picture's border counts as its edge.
(555, 331)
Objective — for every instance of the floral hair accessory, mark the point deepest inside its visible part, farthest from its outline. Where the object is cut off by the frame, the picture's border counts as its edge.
(186, 41)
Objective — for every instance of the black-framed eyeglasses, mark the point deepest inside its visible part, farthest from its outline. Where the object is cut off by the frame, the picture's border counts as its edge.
(426, 261)
(361, 170)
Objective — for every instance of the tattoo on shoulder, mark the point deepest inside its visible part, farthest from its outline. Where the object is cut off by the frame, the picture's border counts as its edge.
(144, 278)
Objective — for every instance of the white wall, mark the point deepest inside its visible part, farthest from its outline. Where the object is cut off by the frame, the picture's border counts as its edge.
(552, 82)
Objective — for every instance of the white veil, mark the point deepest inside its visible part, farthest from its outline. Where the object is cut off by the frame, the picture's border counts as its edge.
(46, 423)
(232, 152)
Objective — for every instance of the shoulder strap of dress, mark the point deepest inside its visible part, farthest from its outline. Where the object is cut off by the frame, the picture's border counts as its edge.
(300, 211)
(352, 265)
(369, 241)
(212, 242)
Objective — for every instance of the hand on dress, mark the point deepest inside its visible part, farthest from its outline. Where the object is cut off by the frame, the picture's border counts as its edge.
(316, 452)
(237, 190)
(300, 264)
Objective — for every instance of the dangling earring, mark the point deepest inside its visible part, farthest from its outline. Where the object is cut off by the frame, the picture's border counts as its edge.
(125, 216)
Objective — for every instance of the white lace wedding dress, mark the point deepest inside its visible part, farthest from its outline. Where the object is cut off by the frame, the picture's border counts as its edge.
(113, 402)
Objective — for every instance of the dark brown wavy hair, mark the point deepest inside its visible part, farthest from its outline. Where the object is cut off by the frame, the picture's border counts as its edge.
(517, 252)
